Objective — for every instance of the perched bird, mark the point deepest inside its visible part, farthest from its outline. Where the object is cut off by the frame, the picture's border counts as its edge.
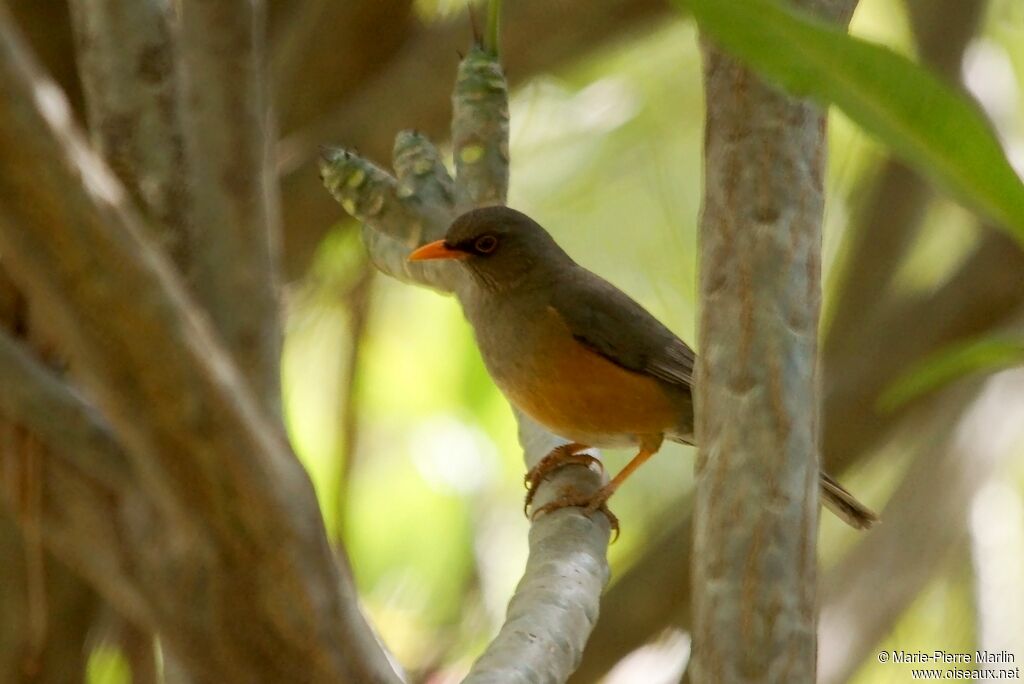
(577, 354)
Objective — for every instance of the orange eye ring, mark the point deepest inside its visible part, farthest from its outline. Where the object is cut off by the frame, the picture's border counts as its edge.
(485, 244)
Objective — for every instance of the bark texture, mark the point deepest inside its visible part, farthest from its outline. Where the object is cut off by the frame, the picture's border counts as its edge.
(756, 509)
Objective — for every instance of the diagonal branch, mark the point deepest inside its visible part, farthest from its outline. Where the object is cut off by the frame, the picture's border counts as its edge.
(82, 473)
(984, 292)
(250, 541)
(35, 397)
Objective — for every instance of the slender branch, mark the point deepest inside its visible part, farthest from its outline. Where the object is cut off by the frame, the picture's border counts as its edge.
(555, 605)
(537, 36)
(235, 204)
(357, 304)
(650, 595)
(492, 35)
(756, 510)
(33, 396)
(395, 219)
(247, 531)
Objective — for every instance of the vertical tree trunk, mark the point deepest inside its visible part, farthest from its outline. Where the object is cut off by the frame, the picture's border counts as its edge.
(757, 405)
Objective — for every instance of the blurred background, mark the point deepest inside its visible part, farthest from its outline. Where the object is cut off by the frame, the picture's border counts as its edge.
(413, 451)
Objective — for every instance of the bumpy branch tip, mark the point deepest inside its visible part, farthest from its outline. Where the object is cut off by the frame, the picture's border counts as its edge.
(424, 181)
(480, 131)
(370, 195)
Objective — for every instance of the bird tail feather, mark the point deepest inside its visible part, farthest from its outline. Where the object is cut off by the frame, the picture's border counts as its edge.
(845, 505)
(834, 496)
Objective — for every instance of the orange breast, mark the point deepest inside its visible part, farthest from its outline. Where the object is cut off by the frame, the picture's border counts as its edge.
(580, 394)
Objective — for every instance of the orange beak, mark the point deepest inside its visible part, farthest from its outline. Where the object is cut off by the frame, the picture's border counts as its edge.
(437, 250)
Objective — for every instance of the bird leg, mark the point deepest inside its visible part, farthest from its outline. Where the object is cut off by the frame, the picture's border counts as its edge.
(598, 501)
(559, 457)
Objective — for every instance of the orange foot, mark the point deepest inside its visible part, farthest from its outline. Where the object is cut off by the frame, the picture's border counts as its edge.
(565, 455)
(590, 503)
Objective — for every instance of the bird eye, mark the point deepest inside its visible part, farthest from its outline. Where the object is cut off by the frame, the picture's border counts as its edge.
(485, 244)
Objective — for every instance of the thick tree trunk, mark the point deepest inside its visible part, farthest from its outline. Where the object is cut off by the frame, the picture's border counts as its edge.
(757, 403)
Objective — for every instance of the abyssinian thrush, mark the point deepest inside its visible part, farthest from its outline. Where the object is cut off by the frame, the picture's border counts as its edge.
(577, 354)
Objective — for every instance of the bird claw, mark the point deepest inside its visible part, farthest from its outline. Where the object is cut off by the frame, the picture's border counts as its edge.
(572, 498)
(558, 458)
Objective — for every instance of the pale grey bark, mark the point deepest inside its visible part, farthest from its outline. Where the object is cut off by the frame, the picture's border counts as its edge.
(756, 510)
(556, 603)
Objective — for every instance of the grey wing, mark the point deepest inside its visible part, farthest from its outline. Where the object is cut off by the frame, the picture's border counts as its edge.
(607, 320)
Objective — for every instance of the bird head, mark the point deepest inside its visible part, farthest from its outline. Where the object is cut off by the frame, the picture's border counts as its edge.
(501, 247)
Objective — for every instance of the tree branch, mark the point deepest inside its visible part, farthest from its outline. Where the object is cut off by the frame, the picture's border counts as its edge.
(80, 505)
(247, 539)
(33, 396)
(480, 131)
(756, 510)
(537, 35)
(635, 609)
(556, 603)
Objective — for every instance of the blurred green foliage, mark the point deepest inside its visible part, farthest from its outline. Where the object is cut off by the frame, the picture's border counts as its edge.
(107, 666)
(941, 133)
(987, 354)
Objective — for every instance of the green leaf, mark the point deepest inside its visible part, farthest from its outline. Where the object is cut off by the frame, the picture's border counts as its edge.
(933, 128)
(975, 356)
